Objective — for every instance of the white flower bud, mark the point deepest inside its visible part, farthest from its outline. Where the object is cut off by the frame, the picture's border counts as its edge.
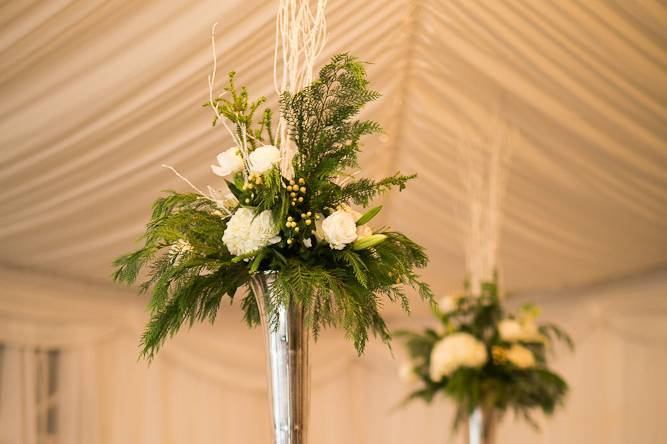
(263, 159)
(229, 162)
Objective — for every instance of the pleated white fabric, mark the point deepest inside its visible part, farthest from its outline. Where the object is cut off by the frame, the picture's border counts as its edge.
(96, 96)
(208, 384)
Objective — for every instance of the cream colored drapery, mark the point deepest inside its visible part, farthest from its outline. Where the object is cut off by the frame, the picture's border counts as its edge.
(208, 385)
(95, 97)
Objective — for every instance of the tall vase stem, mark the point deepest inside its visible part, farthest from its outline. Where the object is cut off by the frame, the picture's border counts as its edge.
(288, 371)
(482, 426)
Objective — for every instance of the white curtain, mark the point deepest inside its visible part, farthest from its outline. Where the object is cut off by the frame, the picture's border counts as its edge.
(208, 384)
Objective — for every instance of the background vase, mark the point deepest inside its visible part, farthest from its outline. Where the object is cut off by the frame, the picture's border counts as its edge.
(287, 363)
(482, 426)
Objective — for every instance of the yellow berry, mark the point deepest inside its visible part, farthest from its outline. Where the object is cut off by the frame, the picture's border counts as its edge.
(292, 194)
(289, 241)
(308, 221)
(301, 181)
(247, 200)
(291, 182)
(300, 199)
(303, 215)
(302, 189)
(289, 218)
(317, 216)
(293, 203)
(309, 214)
(296, 230)
(289, 187)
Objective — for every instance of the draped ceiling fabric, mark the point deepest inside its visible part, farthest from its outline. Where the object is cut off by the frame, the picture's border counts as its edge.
(95, 96)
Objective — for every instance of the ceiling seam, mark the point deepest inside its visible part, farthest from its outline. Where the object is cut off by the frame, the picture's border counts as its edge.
(411, 28)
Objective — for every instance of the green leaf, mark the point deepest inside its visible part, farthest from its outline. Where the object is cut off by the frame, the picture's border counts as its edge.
(368, 216)
(236, 191)
(258, 259)
(368, 241)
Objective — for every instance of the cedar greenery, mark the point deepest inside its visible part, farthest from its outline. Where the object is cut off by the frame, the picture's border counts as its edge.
(190, 270)
(498, 384)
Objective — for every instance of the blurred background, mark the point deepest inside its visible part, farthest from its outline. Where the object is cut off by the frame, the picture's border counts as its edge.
(95, 96)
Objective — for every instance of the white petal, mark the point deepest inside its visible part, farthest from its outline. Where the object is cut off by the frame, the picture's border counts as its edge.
(219, 171)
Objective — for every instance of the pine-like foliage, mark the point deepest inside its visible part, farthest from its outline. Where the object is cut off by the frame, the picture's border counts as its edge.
(190, 270)
(322, 126)
(498, 384)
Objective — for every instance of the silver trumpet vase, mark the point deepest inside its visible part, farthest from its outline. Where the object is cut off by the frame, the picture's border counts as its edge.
(482, 426)
(287, 358)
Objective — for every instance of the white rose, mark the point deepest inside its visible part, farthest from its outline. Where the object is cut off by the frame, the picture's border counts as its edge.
(362, 230)
(520, 356)
(454, 351)
(513, 330)
(263, 158)
(246, 232)
(307, 243)
(407, 373)
(229, 162)
(339, 229)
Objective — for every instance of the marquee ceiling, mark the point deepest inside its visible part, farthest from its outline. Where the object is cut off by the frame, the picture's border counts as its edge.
(95, 96)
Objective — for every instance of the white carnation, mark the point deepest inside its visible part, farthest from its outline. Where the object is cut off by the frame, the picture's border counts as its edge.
(513, 330)
(454, 351)
(339, 229)
(229, 162)
(246, 232)
(520, 356)
(263, 159)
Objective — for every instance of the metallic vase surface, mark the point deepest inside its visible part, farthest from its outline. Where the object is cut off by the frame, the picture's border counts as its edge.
(287, 358)
(482, 426)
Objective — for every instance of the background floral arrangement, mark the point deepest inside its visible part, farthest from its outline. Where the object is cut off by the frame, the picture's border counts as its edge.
(200, 247)
(486, 357)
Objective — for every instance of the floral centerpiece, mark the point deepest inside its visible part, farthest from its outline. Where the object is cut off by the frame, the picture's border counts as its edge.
(201, 247)
(290, 247)
(486, 358)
